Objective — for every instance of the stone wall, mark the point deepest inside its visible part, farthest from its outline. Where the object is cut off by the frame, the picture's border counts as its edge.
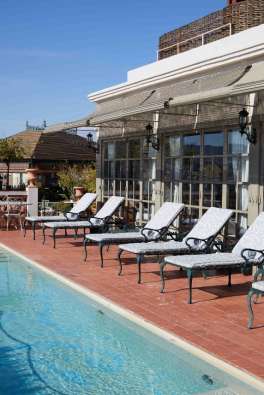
(240, 15)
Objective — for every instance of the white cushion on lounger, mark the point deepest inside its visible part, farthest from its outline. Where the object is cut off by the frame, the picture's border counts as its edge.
(115, 237)
(204, 260)
(153, 247)
(253, 238)
(109, 207)
(209, 224)
(45, 218)
(68, 224)
(259, 285)
(86, 200)
(162, 219)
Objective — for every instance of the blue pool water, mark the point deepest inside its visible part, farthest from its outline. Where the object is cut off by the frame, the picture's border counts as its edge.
(54, 340)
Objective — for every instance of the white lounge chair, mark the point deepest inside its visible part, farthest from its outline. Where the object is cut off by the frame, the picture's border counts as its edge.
(155, 229)
(80, 207)
(99, 221)
(200, 239)
(247, 252)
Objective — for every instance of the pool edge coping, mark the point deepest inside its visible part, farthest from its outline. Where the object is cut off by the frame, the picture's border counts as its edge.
(238, 373)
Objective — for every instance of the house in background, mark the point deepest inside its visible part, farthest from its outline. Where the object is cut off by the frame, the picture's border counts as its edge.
(47, 150)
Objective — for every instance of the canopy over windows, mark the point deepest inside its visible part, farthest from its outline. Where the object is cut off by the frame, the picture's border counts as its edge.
(223, 83)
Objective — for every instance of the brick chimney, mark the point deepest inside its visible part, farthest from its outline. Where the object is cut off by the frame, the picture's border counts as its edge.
(231, 2)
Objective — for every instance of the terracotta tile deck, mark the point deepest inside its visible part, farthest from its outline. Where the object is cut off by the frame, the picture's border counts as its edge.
(216, 321)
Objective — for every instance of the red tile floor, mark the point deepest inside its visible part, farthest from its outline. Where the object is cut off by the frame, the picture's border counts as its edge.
(215, 322)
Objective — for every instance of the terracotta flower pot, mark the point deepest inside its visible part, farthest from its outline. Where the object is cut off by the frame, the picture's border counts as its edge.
(32, 177)
(78, 192)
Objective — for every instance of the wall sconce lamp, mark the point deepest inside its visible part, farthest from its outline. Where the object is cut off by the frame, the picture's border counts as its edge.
(152, 138)
(245, 127)
(93, 144)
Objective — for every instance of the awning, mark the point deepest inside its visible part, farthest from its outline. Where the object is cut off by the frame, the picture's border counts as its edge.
(61, 127)
(195, 90)
(251, 81)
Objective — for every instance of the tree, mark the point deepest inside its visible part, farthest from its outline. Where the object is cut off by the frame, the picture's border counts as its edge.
(10, 151)
(77, 176)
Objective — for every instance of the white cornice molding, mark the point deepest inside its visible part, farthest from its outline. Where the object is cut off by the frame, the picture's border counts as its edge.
(246, 46)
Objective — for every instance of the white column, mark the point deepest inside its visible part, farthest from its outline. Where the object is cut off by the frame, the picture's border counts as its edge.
(32, 200)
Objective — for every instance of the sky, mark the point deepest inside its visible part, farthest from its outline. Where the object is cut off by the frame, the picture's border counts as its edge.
(53, 53)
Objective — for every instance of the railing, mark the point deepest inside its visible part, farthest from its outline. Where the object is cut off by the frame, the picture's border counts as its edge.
(201, 36)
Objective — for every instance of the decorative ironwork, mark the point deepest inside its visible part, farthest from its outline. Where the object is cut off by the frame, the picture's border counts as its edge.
(246, 128)
(151, 138)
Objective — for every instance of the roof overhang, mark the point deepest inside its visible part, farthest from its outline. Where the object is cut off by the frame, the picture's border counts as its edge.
(232, 81)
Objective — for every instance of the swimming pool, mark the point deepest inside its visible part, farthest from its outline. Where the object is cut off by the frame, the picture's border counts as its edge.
(54, 340)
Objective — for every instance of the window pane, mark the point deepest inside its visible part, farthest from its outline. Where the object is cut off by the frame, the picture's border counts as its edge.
(120, 149)
(109, 151)
(149, 169)
(237, 144)
(214, 143)
(173, 146)
(191, 145)
(232, 173)
(134, 148)
(207, 189)
(217, 195)
(133, 169)
(186, 193)
(231, 202)
(167, 192)
(195, 194)
(176, 170)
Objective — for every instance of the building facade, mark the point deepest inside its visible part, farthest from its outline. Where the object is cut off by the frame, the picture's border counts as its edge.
(171, 132)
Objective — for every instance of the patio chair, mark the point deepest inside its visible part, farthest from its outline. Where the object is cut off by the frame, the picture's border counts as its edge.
(256, 290)
(100, 221)
(155, 229)
(73, 215)
(247, 252)
(200, 239)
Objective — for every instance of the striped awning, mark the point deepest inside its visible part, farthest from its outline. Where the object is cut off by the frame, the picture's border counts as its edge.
(218, 84)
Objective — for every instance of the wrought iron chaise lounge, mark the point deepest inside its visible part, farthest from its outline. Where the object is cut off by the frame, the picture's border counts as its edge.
(247, 252)
(200, 239)
(73, 215)
(155, 229)
(99, 221)
(257, 290)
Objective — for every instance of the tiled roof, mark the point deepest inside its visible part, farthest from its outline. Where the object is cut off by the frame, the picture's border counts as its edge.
(39, 145)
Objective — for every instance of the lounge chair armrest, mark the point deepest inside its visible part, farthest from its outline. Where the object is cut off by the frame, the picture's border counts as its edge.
(218, 244)
(71, 216)
(198, 244)
(153, 234)
(252, 255)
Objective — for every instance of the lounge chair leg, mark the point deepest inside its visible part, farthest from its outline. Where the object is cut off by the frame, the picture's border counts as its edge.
(101, 246)
(44, 234)
(139, 261)
(34, 230)
(162, 265)
(190, 276)
(54, 237)
(120, 262)
(229, 277)
(250, 309)
(75, 233)
(24, 227)
(85, 242)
